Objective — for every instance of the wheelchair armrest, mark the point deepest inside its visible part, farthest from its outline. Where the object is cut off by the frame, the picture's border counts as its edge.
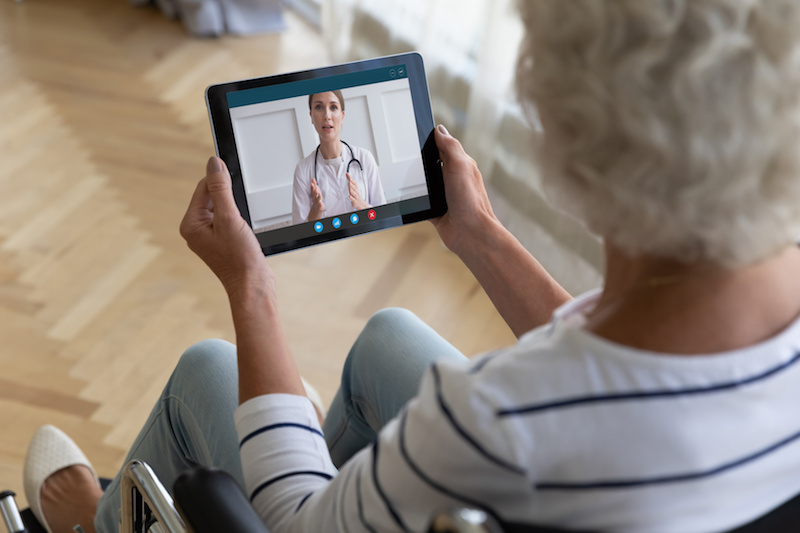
(463, 520)
(468, 520)
(10, 512)
(210, 500)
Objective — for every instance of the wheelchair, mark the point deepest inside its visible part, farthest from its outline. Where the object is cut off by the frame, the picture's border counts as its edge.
(208, 500)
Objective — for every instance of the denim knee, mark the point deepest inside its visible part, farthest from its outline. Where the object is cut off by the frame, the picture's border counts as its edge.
(383, 336)
(390, 320)
(391, 343)
(208, 367)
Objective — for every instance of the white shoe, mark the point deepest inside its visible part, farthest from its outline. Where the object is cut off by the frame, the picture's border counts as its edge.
(50, 450)
(314, 396)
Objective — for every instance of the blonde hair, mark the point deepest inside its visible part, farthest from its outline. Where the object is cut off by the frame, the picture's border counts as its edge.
(670, 126)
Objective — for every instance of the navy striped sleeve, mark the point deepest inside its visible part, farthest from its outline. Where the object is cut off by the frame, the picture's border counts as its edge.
(288, 475)
(381, 493)
(360, 504)
(428, 480)
(278, 426)
(450, 417)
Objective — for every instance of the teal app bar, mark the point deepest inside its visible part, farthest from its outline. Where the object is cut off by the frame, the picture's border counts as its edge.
(304, 87)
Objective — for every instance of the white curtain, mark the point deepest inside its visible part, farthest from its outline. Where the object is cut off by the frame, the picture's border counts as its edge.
(469, 47)
(470, 51)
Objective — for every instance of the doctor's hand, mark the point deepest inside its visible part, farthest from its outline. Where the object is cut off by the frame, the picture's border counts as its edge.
(215, 231)
(469, 213)
(355, 194)
(317, 204)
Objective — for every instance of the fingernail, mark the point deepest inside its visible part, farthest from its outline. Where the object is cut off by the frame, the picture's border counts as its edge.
(214, 165)
(443, 130)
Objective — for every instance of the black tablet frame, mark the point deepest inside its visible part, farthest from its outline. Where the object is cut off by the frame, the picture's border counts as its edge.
(223, 134)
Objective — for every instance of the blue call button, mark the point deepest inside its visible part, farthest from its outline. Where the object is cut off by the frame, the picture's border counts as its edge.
(337, 223)
(354, 218)
(318, 226)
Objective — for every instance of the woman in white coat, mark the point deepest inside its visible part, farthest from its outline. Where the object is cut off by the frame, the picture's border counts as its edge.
(336, 177)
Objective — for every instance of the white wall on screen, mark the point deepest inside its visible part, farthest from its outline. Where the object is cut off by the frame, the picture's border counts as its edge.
(393, 128)
(395, 104)
(272, 137)
(401, 129)
(357, 126)
(269, 139)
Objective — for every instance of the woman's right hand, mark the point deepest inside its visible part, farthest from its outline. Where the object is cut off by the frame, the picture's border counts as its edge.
(520, 288)
(469, 213)
(317, 204)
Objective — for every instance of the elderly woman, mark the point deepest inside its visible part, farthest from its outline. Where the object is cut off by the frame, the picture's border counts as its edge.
(336, 177)
(667, 400)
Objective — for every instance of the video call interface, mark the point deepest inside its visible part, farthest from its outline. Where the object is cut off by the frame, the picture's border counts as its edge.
(377, 178)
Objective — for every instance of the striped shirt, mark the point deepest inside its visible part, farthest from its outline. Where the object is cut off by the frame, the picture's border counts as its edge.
(565, 428)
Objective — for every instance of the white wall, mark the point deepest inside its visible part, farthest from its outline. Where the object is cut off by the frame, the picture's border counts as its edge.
(272, 137)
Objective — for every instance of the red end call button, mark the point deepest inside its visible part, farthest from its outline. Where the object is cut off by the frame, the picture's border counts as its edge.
(371, 214)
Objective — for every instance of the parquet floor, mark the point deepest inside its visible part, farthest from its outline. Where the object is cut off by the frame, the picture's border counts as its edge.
(103, 135)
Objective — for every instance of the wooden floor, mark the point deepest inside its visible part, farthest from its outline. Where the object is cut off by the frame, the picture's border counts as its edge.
(103, 135)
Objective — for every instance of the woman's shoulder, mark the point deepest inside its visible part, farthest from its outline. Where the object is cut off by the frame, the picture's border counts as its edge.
(308, 160)
(305, 164)
(362, 153)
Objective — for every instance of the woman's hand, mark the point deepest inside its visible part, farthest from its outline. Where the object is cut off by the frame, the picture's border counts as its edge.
(469, 212)
(355, 194)
(317, 204)
(215, 231)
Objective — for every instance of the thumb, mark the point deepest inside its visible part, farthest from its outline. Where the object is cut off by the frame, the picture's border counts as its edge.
(220, 189)
(444, 142)
(450, 149)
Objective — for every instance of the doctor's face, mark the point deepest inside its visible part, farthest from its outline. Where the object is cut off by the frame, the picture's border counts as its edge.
(327, 116)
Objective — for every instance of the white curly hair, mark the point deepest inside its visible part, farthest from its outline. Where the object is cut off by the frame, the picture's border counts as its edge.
(671, 127)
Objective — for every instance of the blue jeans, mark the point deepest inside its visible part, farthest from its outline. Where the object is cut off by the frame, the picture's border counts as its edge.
(192, 422)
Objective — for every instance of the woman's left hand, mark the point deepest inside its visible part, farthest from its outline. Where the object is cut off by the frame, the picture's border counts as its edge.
(355, 194)
(215, 230)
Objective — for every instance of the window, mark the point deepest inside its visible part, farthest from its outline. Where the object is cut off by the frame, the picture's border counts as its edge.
(454, 28)
(311, 10)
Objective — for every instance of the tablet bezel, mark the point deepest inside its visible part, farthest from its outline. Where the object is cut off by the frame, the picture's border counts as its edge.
(225, 144)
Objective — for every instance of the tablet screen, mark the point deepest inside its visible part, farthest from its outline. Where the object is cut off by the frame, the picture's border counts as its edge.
(329, 153)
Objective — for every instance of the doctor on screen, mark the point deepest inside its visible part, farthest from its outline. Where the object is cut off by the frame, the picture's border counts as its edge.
(336, 177)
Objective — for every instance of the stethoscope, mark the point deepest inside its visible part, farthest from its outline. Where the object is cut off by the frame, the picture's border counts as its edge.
(347, 169)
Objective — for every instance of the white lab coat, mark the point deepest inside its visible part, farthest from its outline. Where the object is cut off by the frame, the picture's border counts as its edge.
(332, 181)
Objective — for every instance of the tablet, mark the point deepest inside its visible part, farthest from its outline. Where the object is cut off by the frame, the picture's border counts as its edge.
(329, 153)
